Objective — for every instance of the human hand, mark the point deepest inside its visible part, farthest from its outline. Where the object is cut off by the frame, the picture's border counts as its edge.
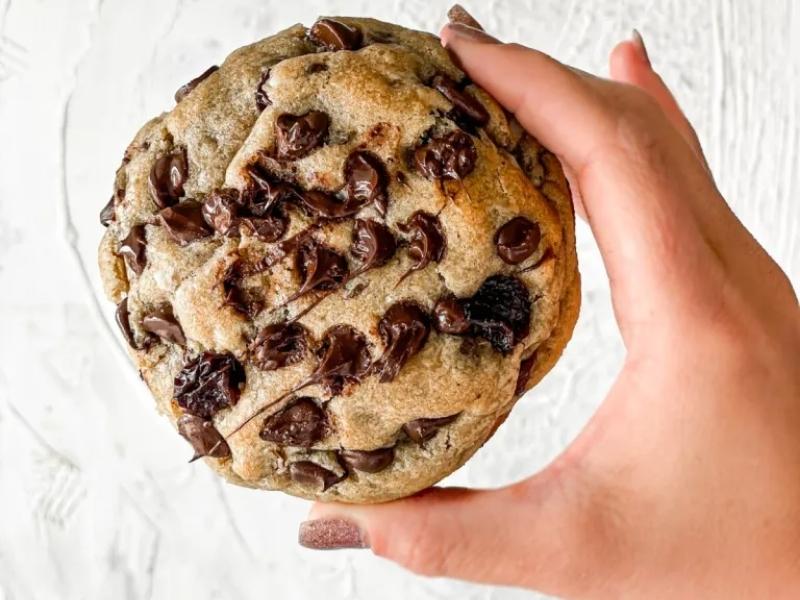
(686, 482)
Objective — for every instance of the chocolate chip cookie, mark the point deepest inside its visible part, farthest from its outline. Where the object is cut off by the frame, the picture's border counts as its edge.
(338, 263)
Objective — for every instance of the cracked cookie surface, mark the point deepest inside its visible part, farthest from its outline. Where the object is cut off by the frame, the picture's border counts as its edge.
(338, 263)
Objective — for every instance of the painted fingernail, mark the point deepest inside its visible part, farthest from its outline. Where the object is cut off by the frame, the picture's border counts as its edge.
(459, 14)
(466, 33)
(331, 534)
(639, 43)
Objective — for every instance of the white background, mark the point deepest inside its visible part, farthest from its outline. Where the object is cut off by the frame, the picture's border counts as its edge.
(96, 499)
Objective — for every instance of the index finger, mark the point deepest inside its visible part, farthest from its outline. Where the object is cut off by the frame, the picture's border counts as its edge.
(637, 175)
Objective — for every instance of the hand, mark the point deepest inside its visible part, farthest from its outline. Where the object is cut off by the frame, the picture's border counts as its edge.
(686, 483)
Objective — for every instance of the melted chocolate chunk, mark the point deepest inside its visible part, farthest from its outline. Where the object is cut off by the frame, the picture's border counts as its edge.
(123, 321)
(108, 214)
(373, 244)
(344, 357)
(184, 222)
(302, 423)
(450, 157)
(516, 240)
(427, 241)
(334, 35)
(299, 135)
(269, 228)
(500, 311)
(525, 368)
(279, 345)
(134, 249)
(208, 384)
(328, 206)
(203, 436)
(313, 475)
(422, 430)
(404, 329)
(187, 88)
(449, 316)
(262, 99)
(465, 104)
(321, 268)
(266, 189)
(368, 461)
(235, 296)
(221, 209)
(163, 323)
(366, 180)
(167, 177)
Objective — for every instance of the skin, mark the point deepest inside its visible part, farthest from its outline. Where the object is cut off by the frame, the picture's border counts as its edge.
(686, 482)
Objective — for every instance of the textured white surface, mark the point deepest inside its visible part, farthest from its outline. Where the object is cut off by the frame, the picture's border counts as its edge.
(96, 500)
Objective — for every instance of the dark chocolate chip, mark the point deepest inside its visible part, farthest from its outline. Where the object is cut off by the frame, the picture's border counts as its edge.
(124, 322)
(335, 35)
(404, 329)
(221, 209)
(184, 222)
(368, 461)
(134, 249)
(427, 242)
(320, 267)
(450, 157)
(167, 177)
(299, 135)
(279, 345)
(525, 368)
(356, 290)
(466, 104)
(108, 214)
(313, 475)
(500, 311)
(316, 68)
(262, 99)
(373, 244)
(449, 316)
(366, 180)
(422, 430)
(516, 240)
(209, 383)
(203, 436)
(302, 423)
(187, 88)
(162, 322)
(344, 357)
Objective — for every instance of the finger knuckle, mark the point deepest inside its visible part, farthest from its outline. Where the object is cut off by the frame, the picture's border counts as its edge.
(412, 546)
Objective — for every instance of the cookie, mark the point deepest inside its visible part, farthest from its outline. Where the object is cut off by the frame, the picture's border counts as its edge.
(338, 263)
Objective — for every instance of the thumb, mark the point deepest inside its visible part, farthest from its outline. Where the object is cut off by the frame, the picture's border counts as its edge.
(525, 534)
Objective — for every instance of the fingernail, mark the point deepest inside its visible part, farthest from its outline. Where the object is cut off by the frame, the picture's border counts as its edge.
(638, 41)
(331, 534)
(466, 33)
(459, 14)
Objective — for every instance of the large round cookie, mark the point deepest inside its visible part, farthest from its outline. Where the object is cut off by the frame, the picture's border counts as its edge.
(338, 263)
